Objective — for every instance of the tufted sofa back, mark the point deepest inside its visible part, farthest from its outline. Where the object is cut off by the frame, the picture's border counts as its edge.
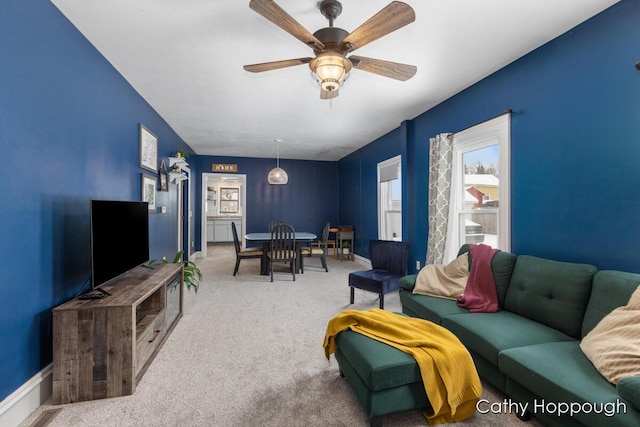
(611, 289)
(550, 292)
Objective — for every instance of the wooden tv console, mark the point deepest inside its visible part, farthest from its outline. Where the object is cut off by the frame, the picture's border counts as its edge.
(102, 347)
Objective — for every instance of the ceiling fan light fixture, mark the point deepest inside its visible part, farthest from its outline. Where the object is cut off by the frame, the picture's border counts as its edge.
(330, 69)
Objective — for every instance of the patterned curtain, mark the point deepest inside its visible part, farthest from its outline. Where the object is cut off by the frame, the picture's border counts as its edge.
(440, 165)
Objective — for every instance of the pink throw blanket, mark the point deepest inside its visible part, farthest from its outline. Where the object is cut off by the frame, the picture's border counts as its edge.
(480, 294)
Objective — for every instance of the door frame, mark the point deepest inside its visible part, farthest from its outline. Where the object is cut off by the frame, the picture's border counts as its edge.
(243, 200)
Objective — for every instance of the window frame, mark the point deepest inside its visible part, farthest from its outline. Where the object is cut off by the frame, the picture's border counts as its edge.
(393, 161)
(494, 131)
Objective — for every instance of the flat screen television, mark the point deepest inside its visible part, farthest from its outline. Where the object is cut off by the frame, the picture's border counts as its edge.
(119, 238)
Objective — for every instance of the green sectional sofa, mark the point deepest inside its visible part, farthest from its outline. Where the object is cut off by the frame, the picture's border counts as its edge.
(530, 349)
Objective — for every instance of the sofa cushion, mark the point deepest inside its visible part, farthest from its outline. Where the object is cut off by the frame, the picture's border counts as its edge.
(408, 282)
(489, 333)
(429, 308)
(502, 266)
(550, 292)
(629, 389)
(613, 346)
(611, 289)
(558, 372)
(379, 365)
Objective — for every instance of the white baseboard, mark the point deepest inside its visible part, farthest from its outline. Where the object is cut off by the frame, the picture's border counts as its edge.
(26, 399)
(362, 260)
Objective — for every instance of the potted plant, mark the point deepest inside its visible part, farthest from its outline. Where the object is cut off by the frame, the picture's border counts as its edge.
(345, 247)
(191, 274)
(182, 154)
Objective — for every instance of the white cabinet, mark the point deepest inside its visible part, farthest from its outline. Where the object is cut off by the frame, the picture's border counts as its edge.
(210, 232)
(222, 229)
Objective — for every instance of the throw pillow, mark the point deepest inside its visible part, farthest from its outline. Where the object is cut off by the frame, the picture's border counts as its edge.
(613, 346)
(444, 281)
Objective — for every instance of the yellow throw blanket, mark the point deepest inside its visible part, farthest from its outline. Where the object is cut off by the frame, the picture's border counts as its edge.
(449, 375)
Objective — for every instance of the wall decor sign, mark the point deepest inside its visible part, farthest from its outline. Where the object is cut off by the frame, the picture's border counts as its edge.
(164, 180)
(223, 167)
(163, 177)
(148, 149)
(148, 186)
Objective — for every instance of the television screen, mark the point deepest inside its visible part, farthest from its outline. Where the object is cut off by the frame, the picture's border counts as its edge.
(119, 238)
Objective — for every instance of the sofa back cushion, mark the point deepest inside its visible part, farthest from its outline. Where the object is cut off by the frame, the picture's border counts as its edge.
(611, 289)
(502, 266)
(550, 292)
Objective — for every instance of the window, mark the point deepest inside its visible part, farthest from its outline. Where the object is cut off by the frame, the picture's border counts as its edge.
(479, 212)
(390, 199)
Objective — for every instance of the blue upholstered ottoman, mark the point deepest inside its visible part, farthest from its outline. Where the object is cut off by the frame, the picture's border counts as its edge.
(383, 378)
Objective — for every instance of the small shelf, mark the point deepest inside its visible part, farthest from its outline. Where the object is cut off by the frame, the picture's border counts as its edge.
(179, 169)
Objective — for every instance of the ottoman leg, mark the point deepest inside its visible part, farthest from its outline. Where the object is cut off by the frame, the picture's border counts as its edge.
(352, 294)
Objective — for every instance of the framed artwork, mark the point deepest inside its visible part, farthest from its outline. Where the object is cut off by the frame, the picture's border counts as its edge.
(148, 186)
(164, 180)
(148, 149)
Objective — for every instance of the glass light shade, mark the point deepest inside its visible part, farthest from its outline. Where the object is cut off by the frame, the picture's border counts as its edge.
(278, 176)
(331, 69)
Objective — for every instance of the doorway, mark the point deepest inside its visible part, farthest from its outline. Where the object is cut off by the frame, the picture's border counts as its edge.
(223, 202)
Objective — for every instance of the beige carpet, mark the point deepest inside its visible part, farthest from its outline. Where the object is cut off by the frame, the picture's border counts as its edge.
(248, 352)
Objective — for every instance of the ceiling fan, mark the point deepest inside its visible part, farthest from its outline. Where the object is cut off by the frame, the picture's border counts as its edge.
(331, 66)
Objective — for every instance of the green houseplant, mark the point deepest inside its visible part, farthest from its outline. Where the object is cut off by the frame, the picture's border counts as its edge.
(191, 274)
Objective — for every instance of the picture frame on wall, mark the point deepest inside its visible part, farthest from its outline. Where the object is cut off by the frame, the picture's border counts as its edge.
(163, 177)
(148, 149)
(148, 187)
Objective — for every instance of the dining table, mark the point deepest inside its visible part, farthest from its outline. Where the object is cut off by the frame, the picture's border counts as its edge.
(265, 238)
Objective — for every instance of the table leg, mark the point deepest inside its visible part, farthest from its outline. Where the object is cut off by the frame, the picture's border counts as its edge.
(264, 261)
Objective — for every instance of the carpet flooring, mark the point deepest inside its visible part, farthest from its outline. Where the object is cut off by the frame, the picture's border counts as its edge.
(248, 352)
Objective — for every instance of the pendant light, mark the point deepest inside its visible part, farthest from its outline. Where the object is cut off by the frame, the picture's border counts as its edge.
(277, 175)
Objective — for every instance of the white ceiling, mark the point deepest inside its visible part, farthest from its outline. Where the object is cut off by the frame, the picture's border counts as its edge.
(185, 58)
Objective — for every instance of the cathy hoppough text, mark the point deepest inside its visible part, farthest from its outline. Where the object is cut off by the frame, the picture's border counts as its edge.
(507, 406)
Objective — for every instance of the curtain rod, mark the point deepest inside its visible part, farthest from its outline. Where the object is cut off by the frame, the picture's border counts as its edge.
(507, 111)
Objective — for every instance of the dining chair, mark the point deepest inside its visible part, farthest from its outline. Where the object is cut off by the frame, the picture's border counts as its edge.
(317, 249)
(272, 224)
(243, 253)
(283, 247)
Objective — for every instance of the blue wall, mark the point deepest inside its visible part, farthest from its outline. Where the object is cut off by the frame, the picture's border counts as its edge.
(307, 202)
(68, 133)
(574, 155)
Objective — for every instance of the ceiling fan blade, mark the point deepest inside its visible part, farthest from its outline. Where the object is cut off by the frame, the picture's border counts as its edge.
(395, 15)
(328, 94)
(393, 70)
(267, 66)
(274, 13)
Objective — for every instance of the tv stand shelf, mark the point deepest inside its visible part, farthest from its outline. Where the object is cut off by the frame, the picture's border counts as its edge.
(102, 347)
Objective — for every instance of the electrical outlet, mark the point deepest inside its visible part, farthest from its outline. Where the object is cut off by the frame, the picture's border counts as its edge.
(417, 264)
